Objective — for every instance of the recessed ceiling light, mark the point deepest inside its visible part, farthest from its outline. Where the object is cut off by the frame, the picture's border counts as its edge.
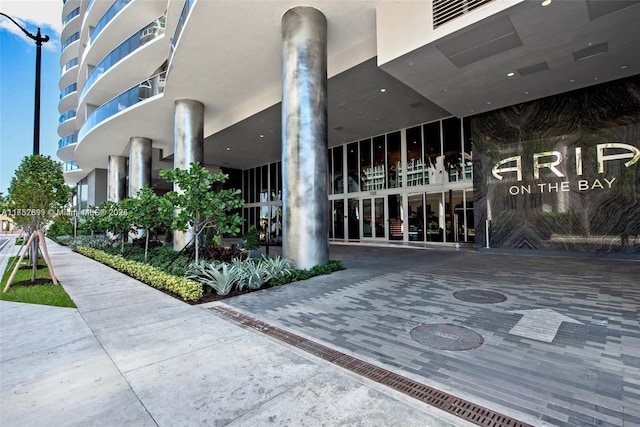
(488, 102)
(546, 3)
(261, 136)
(622, 67)
(526, 92)
(595, 78)
(383, 90)
(572, 80)
(511, 74)
(228, 148)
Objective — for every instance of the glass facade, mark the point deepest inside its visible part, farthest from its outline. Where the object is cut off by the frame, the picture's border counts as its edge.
(412, 185)
(262, 193)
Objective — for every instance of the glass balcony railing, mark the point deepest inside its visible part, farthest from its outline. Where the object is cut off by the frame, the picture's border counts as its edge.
(181, 20)
(71, 63)
(68, 140)
(146, 89)
(145, 35)
(69, 114)
(89, 6)
(107, 17)
(69, 89)
(75, 12)
(70, 166)
(69, 40)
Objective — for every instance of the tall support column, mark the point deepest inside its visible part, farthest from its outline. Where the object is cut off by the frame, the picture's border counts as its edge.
(188, 139)
(116, 178)
(304, 137)
(139, 164)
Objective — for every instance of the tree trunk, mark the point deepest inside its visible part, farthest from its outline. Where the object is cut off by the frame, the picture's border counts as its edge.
(146, 244)
(34, 258)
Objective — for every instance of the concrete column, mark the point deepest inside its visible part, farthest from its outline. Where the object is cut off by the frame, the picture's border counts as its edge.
(139, 164)
(188, 139)
(116, 178)
(304, 137)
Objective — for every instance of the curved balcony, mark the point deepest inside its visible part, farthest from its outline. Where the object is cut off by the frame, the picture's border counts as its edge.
(115, 8)
(72, 38)
(144, 90)
(68, 98)
(67, 122)
(181, 21)
(70, 47)
(69, 73)
(75, 12)
(67, 146)
(72, 172)
(150, 32)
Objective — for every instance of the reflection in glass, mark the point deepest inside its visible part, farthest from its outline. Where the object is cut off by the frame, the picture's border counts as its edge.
(435, 217)
(394, 160)
(396, 226)
(377, 176)
(338, 182)
(367, 229)
(354, 219)
(380, 226)
(352, 168)
(415, 165)
(432, 153)
(416, 218)
(338, 219)
(452, 144)
(365, 164)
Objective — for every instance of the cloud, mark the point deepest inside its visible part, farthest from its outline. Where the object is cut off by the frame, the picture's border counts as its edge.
(31, 14)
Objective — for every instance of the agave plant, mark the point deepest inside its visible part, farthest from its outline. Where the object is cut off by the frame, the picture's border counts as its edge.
(220, 277)
(254, 274)
(277, 266)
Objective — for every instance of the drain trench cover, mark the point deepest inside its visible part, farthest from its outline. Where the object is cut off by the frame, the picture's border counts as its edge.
(480, 296)
(444, 336)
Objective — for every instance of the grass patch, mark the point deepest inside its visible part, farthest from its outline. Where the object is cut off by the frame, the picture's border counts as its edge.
(44, 294)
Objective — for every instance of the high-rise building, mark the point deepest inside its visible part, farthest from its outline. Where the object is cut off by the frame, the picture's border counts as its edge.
(508, 123)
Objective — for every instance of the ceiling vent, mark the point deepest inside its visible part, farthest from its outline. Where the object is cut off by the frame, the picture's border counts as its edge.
(448, 10)
(535, 68)
(591, 51)
(490, 39)
(598, 8)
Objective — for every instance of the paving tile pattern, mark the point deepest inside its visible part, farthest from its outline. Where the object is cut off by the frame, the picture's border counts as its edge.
(587, 375)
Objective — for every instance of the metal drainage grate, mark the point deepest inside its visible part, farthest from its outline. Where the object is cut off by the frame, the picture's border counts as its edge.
(444, 336)
(480, 296)
(461, 408)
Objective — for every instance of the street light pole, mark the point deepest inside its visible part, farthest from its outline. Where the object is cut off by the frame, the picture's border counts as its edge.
(39, 39)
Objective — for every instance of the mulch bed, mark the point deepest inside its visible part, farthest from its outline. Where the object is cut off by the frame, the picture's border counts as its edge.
(32, 282)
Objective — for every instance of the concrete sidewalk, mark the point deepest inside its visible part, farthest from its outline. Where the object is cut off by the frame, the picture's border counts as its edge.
(131, 355)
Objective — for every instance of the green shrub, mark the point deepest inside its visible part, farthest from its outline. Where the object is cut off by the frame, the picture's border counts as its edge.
(252, 239)
(185, 288)
(295, 275)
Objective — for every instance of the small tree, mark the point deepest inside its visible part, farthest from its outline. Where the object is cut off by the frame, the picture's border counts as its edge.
(199, 205)
(36, 194)
(150, 212)
(116, 217)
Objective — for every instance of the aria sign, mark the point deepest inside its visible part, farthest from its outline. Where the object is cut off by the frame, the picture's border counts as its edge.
(552, 160)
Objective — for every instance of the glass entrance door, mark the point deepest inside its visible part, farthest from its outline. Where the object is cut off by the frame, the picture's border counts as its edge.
(373, 218)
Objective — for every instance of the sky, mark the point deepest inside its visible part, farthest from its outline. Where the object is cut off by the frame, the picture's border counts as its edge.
(17, 82)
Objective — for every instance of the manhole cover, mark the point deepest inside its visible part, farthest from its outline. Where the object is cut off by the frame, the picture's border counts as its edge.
(480, 296)
(446, 337)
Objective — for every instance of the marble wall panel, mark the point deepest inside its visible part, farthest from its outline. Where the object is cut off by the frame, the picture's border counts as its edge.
(563, 188)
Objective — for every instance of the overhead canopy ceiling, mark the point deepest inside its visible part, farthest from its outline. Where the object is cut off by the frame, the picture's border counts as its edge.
(228, 57)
